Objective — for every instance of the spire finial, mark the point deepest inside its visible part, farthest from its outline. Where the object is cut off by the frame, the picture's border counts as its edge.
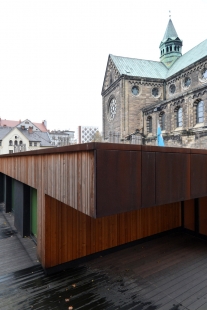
(169, 14)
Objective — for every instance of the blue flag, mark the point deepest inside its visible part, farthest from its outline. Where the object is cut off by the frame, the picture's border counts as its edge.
(160, 141)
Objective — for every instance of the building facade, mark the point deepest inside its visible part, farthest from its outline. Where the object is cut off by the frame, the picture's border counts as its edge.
(86, 133)
(25, 136)
(62, 137)
(138, 94)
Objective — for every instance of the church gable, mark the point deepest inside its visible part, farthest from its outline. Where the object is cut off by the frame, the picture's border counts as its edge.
(111, 74)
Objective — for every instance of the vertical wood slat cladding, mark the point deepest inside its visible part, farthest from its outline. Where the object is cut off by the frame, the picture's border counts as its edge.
(67, 177)
(203, 215)
(70, 234)
(189, 214)
(58, 175)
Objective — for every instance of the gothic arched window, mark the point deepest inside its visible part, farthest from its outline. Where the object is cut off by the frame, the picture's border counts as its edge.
(10, 142)
(149, 124)
(200, 112)
(162, 120)
(180, 117)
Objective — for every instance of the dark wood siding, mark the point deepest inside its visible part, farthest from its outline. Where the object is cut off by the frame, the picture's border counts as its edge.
(108, 181)
(198, 175)
(70, 234)
(118, 181)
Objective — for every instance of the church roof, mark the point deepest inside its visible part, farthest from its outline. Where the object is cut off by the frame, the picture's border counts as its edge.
(192, 56)
(155, 69)
(170, 32)
(140, 67)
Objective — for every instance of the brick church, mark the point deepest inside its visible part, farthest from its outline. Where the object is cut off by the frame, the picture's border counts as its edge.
(138, 93)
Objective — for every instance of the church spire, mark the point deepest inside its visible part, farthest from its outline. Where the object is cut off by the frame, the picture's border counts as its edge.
(170, 46)
(170, 31)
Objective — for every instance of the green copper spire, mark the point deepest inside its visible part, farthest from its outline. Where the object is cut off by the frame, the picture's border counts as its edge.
(170, 46)
(170, 32)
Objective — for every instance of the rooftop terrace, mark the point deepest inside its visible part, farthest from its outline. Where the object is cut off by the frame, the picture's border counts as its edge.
(165, 273)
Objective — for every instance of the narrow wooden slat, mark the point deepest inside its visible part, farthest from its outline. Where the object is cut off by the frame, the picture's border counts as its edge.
(85, 235)
(48, 232)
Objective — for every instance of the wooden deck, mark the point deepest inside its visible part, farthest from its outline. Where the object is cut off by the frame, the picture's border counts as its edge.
(167, 273)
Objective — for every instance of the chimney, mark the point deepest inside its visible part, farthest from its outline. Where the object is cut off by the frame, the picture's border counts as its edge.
(20, 121)
(44, 123)
(30, 130)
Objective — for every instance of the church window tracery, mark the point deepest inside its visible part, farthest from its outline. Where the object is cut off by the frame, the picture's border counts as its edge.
(112, 109)
(162, 120)
(135, 90)
(172, 88)
(155, 92)
(179, 116)
(199, 112)
(149, 124)
(187, 81)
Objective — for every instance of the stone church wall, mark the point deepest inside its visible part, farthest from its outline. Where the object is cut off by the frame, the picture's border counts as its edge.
(132, 110)
(115, 124)
(142, 100)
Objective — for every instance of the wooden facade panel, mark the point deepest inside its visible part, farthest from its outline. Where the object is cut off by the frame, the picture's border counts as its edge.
(148, 173)
(60, 176)
(189, 214)
(65, 177)
(118, 182)
(72, 234)
(112, 182)
(172, 177)
(203, 215)
(198, 173)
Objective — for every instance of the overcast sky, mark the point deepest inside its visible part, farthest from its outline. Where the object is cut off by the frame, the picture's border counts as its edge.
(53, 53)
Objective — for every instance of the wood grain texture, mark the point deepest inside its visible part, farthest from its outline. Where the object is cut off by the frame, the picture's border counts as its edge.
(71, 234)
(68, 177)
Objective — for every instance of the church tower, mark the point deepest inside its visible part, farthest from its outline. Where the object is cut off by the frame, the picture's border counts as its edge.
(170, 46)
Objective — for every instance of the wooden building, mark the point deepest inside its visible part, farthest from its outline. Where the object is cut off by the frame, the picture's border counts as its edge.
(82, 199)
